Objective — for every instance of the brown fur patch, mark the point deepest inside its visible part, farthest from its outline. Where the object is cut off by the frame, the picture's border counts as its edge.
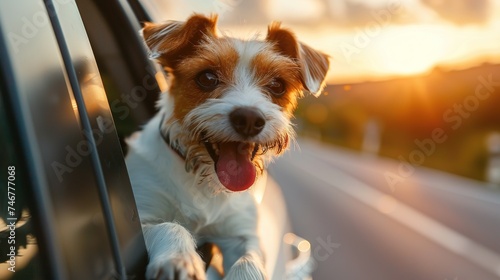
(217, 55)
(176, 40)
(311, 61)
(284, 40)
(269, 65)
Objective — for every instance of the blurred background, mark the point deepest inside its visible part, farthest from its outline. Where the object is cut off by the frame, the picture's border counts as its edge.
(397, 169)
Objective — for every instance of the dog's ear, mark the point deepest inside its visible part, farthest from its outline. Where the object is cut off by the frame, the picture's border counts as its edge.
(313, 64)
(172, 41)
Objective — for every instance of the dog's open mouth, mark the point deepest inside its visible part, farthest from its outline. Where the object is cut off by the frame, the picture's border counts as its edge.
(233, 163)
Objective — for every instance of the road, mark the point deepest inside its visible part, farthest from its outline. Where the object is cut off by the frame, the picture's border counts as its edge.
(423, 225)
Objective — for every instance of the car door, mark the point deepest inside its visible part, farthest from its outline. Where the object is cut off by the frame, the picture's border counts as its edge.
(72, 178)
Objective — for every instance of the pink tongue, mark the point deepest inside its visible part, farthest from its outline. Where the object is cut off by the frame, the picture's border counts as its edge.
(234, 168)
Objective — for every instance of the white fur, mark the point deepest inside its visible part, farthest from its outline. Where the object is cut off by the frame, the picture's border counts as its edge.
(212, 115)
(174, 208)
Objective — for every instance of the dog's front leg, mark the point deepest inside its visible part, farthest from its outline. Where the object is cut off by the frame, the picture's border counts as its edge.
(243, 259)
(172, 253)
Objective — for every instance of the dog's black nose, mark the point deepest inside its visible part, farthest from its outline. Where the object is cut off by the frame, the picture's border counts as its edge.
(247, 121)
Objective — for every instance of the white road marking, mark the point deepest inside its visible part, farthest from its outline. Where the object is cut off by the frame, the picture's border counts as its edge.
(427, 227)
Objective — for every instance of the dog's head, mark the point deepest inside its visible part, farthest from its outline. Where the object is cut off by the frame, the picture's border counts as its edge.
(232, 99)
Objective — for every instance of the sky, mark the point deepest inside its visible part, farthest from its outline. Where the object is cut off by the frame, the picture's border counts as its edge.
(366, 39)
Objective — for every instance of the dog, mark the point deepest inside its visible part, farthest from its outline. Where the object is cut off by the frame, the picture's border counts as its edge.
(226, 115)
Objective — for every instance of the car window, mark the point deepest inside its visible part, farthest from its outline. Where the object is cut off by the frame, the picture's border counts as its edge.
(130, 79)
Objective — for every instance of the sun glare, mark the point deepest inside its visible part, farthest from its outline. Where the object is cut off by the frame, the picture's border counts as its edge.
(409, 50)
(294, 9)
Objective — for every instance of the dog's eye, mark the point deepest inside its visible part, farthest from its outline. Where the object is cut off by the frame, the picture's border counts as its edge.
(276, 87)
(207, 80)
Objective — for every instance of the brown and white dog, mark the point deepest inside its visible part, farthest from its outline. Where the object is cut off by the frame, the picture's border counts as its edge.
(226, 115)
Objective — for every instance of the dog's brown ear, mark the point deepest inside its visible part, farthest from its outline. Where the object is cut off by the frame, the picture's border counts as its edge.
(313, 64)
(172, 41)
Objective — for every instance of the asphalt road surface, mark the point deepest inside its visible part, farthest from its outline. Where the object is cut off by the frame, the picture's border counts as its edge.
(369, 218)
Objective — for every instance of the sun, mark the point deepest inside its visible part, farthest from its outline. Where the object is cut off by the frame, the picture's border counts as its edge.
(409, 50)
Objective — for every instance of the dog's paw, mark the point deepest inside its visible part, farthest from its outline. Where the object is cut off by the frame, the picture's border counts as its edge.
(248, 267)
(186, 266)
